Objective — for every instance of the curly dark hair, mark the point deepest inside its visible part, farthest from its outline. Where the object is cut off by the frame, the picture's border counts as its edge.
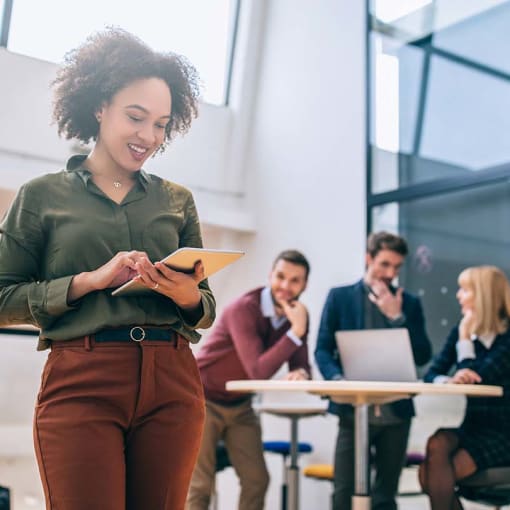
(107, 62)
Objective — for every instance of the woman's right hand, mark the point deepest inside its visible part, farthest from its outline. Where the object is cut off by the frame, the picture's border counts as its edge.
(118, 270)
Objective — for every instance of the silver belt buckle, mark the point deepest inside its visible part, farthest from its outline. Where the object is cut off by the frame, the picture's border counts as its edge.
(137, 334)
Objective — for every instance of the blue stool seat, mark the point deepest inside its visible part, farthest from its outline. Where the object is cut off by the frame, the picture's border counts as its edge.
(283, 447)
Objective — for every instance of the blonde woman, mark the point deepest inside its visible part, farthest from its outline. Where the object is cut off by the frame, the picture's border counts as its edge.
(479, 348)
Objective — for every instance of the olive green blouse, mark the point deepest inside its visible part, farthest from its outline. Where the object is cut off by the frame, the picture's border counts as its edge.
(62, 224)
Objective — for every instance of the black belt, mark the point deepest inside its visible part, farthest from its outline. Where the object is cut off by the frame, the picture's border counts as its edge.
(135, 334)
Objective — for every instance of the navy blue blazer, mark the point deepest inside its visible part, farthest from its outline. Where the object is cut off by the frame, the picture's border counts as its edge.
(344, 310)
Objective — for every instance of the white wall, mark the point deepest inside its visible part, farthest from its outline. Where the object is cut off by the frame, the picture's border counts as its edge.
(299, 181)
(305, 182)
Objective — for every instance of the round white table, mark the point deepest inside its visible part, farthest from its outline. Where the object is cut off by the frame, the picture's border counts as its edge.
(362, 394)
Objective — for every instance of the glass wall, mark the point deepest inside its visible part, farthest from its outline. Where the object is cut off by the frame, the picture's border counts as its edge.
(439, 158)
(446, 233)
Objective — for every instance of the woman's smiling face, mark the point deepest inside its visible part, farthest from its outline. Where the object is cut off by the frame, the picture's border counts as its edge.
(132, 124)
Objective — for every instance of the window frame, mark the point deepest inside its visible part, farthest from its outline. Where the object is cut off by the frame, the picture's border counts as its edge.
(434, 187)
(5, 24)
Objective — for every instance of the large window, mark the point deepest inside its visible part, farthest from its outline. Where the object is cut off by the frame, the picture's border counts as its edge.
(201, 30)
(439, 157)
(447, 233)
(3, 22)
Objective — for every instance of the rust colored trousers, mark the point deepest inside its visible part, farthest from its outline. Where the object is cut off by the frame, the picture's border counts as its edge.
(118, 425)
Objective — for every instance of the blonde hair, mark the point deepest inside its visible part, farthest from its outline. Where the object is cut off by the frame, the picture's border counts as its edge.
(491, 291)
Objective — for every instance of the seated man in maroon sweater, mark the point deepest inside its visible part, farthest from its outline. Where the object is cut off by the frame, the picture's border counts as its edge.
(254, 337)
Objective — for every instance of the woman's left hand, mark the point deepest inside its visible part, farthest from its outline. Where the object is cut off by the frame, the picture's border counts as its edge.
(466, 376)
(180, 287)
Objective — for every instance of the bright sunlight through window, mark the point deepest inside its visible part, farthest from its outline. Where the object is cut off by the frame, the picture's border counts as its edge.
(199, 29)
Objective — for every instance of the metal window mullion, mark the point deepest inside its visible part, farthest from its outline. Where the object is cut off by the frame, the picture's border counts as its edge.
(368, 115)
(6, 23)
(440, 186)
(231, 57)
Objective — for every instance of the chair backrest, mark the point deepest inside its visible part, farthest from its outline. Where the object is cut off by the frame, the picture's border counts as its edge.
(489, 486)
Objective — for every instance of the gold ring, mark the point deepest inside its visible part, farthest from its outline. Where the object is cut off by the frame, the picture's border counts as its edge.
(156, 285)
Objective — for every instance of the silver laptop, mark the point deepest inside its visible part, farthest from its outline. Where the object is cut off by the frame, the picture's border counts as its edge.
(376, 355)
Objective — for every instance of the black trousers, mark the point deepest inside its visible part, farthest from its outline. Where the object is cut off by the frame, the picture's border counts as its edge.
(388, 446)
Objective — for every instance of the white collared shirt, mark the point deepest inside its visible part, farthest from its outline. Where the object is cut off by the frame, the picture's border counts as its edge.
(466, 348)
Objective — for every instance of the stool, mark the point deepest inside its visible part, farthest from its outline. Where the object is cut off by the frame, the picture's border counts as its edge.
(489, 486)
(222, 462)
(414, 459)
(326, 471)
(283, 448)
(320, 472)
(222, 458)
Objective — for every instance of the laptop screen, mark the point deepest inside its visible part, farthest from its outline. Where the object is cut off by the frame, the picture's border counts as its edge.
(376, 355)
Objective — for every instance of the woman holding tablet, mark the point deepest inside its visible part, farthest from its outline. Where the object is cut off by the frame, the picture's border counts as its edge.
(479, 348)
(120, 411)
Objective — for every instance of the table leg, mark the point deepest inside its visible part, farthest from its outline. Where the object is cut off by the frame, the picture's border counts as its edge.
(361, 503)
(361, 498)
(293, 470)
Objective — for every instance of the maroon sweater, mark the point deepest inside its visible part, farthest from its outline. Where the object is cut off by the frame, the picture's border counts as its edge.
(244, 345)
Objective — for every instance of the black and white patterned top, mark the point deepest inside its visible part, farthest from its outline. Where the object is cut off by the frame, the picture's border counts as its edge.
(493, 366)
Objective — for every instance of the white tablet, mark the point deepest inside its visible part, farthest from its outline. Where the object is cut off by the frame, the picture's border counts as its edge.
(184, 259)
